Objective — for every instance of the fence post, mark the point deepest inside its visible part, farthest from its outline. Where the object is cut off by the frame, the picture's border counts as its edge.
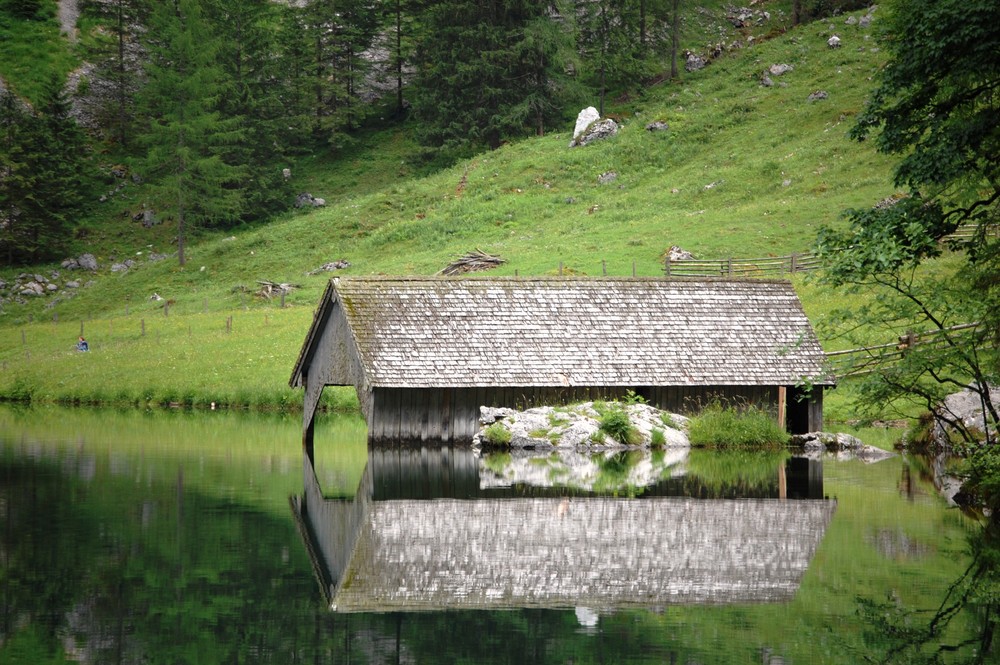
(668, 266)
(55, 317)
(730, 266)
(795, 261)
(142, 325)
(282, 299)
(633, 268)
(604, 267)
(166, 308)
(24, 342)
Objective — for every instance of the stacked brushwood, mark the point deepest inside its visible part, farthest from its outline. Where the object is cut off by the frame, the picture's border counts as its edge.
(472, 262)
(269, 289)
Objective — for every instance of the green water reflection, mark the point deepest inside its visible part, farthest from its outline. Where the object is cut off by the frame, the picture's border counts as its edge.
(168, 537)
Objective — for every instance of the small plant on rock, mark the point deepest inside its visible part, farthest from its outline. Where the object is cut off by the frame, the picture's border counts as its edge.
(616, 423)
(497, 435)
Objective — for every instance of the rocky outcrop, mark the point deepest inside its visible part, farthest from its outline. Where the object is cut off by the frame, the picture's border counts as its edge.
(842, 446)
(579, 425)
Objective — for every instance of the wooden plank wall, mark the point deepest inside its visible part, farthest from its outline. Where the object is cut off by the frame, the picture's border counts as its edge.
(405, 415)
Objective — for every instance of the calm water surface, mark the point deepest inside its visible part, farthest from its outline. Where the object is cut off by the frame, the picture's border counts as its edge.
(181, 537)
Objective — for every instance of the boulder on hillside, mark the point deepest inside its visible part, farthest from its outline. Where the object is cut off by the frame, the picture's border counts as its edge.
(584, 119)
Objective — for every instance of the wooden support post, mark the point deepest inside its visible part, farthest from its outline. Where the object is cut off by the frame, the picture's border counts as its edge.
(81, 328)
(730, 266)
(166, 308)
(794, 262)
(604, 267)
(282, 300)
(668, 266)
(23, 340)
(782, 398)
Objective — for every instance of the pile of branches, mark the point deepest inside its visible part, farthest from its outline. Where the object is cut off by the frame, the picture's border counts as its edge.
(269, 289)
(472, 262)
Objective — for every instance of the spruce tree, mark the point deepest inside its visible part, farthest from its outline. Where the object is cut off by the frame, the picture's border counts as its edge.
(253, 86)
(186, 136)
(44, 175)
(482, 71)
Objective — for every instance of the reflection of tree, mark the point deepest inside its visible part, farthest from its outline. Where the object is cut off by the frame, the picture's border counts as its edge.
(959, 630)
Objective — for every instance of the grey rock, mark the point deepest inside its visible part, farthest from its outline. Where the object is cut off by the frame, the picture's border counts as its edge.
(817, 95)
(51, 288)
(87, 262)
(694, 62)
(833, 42)
(584, 119)
(657, 126)
(675, 253)
(766, 81)
(599, 130)
(607, 177)
(779, 69)
(306, 199)
(72, 284)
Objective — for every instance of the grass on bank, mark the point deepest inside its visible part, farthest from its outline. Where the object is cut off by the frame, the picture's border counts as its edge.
(720, 425)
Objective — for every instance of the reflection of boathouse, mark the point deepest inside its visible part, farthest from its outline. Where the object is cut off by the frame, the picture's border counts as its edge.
(425, 353)
(421, 534)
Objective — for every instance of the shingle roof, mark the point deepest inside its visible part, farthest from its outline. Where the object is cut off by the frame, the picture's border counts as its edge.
(430, 332)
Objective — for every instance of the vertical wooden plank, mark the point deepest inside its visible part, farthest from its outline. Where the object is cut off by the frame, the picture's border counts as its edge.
(446, 398)
(782, 397)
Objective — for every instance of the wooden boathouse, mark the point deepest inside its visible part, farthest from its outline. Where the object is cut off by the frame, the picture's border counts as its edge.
(425, 353)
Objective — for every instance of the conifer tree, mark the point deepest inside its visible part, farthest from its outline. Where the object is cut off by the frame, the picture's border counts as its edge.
(186, 136)
(43, 175)
(482, 68)
(253, 85)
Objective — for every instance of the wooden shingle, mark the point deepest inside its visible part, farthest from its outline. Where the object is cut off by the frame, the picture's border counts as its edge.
(432, 332)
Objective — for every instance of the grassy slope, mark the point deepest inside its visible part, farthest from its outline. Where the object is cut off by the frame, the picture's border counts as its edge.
(537, 203)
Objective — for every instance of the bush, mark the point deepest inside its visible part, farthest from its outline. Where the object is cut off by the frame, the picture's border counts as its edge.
(657, 439)
(726, 426)
(497, 435)
(616, 424)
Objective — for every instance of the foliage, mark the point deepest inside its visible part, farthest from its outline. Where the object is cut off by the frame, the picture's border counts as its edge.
(485, 70)
(616, 423)
(44, 172)
(497, 434)
(720, 425)
(934, 108)
(657, 438)
(188, 177)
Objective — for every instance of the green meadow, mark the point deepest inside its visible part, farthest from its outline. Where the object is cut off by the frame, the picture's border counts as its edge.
(744, 170)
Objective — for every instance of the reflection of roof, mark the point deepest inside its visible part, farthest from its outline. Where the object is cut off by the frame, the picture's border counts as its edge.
(596, 552)
(427, 332)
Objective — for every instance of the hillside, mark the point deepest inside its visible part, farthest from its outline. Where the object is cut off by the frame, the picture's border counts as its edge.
(743, 170)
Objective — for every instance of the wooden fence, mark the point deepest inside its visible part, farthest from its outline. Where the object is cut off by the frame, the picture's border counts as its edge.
(867, 359)
(763, 267)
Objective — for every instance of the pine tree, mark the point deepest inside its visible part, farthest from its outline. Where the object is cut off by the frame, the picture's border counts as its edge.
(253, 85)
(118, 57)
(44, 175)
(186, 135)
(483, 70)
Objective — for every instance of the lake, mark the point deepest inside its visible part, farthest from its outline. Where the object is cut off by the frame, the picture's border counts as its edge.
(205, 537)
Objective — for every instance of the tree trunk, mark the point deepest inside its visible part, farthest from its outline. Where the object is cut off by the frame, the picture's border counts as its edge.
(675, 39)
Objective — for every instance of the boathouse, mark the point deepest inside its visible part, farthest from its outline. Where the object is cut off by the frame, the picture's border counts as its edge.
(425, 353)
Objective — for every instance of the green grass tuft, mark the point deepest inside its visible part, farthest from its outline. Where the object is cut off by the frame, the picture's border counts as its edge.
(721, 425)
